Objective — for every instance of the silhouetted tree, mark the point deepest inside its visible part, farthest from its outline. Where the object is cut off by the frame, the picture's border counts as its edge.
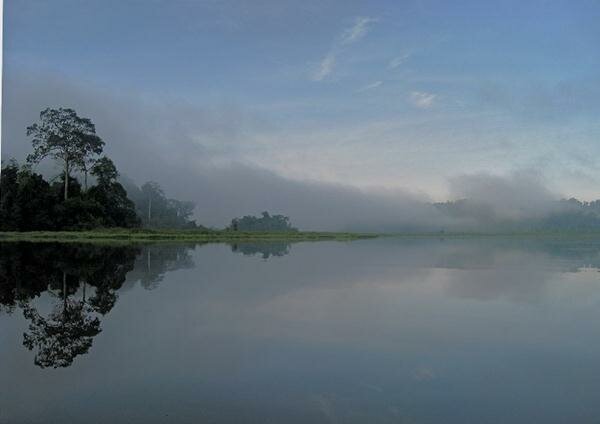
(64, 136)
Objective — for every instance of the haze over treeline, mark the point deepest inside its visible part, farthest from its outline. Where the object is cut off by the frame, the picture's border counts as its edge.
(157, 142)
(342, 115)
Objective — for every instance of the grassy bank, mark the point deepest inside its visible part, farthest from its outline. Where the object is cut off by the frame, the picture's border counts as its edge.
(142, 235)
(204, 236)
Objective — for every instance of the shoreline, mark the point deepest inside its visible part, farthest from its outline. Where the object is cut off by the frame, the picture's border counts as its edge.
(215, 236)
(220, 236)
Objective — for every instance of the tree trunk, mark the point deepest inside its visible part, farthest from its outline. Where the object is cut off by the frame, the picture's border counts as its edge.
(149, 209)
(65, 289)
(66, 180)
(85, 180)
(64, 311)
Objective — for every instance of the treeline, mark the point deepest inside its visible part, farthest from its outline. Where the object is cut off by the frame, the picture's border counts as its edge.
(29, 202)
(266, 223)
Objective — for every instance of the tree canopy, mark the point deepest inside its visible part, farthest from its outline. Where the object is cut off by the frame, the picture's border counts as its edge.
(64, 136)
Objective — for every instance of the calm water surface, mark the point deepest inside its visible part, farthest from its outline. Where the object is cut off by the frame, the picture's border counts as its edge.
(373, 331)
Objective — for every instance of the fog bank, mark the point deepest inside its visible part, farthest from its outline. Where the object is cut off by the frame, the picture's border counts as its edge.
(194, 153)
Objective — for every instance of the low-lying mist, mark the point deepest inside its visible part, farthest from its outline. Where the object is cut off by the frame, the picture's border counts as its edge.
(192, 153)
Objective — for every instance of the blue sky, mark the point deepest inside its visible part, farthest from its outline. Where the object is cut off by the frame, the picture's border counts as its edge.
(393, 94)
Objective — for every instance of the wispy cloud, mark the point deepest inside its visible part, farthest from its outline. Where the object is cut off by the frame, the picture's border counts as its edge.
(398, 60)
(349, 36)
(325, 67)
(370, 86)
(357, 31)
(422, 100)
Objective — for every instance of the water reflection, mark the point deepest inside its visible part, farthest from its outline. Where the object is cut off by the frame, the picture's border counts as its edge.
(84, 280)
(389, 330)
(263, 249)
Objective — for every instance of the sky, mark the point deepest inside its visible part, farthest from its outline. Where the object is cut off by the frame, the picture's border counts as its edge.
(397, 98)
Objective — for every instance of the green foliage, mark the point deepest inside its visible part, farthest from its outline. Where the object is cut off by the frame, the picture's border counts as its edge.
(274, 223)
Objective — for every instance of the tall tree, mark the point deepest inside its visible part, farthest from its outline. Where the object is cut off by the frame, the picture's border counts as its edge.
(64, 136)
(153, 194)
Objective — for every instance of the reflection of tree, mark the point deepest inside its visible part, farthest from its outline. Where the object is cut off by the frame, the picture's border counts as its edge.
(85, 280)
(27, 270)
(266, 249)
(66, 333)
(155, 261)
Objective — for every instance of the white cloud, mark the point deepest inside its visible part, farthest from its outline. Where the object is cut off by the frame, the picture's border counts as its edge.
(422, 100)
(325, 67)
(370, 86)
(357, 31)
(398, 60)
(350, 35)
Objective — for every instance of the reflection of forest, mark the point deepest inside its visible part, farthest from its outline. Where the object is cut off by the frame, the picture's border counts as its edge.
(84, 280)
(264, 249)
(154, 261)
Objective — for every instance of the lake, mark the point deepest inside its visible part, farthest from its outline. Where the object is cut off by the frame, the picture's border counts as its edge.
(389, 330)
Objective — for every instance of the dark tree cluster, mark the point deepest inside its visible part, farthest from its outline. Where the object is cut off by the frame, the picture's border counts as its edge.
(266, 222)
(28, 202)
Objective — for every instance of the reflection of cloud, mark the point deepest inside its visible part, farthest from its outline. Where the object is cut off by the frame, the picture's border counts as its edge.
(326, 407)
(423, 374)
